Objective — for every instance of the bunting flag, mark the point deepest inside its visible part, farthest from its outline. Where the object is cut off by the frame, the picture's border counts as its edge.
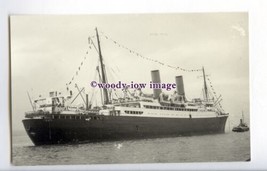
(90, 42)
(213, 91)
(149, 59)
(211, 86)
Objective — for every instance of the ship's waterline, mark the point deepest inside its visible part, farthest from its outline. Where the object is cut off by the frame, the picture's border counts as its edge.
(75, 129)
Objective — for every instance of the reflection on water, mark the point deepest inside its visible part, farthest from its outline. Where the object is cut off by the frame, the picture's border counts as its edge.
(220, 147)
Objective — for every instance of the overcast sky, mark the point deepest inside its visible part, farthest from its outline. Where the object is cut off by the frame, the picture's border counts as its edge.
(46, 52)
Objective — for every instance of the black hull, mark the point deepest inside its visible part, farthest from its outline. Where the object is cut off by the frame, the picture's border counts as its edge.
(106, 128)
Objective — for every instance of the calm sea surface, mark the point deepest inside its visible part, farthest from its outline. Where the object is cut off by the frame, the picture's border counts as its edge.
(206, 148)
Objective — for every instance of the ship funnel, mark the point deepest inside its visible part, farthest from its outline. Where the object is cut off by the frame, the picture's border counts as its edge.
(180, 85)
(156, 79)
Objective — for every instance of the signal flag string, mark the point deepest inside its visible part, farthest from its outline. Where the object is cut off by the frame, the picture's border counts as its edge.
(90, 42)
(149, 59)
(213, 91)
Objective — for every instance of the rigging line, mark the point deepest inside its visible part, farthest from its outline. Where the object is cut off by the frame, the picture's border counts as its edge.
(93, 92)
(79, 69)
(115, 74)
(30, 101)
(116, 94)
(216, 100)
(83, 61)
(213, 90)
(77, 95)
(210, 95)
(80, 93)
(111, 76)
(100, 80)
(213, 95)
(96, 94)
(81, 64)
(91, 40)
(156, 61)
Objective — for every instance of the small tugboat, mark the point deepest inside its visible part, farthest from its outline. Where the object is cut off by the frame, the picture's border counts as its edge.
(242, 127)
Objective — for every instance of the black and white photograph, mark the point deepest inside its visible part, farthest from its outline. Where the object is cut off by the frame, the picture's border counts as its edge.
(129, 88)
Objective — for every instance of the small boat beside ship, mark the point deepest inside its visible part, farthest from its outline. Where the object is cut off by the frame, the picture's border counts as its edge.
(135, 116)
(242, 127)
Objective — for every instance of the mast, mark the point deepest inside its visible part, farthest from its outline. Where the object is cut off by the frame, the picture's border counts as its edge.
(104, 79)
(243, 116)
(30, 101)
(205, 86)
(100, 79)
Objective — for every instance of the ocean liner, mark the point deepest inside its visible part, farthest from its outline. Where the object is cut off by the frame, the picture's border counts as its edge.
(55, 121)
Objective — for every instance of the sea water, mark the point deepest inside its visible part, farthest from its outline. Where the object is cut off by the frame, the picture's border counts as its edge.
(229, 146)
